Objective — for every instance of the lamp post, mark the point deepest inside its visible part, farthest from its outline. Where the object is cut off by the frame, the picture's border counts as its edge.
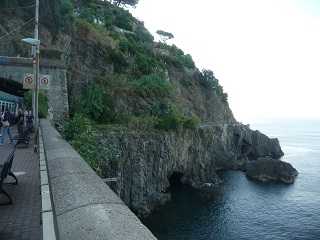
(35, 43)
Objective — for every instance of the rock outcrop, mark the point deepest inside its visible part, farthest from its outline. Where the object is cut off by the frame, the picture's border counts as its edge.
(149, 160)
(268, 169)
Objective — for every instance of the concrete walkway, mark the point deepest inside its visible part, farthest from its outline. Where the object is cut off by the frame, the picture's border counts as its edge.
(21, 220)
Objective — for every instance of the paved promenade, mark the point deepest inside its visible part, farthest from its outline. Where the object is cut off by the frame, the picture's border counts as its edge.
(21, 220)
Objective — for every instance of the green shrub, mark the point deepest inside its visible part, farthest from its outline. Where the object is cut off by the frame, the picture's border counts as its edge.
(87, 14)
(143, 35)
(142, 122)
(123, 19)
(191, 122)
(152, 85)
(186, 60)
(124, 46)
(171, 121)
(96, 104)
(209, 80)
(176, 57)
(118, 60)
(175, 51)
(64, 14)
(92, 102)
(225, 97)
(83, 136)
(144, 65)
(86, 146)
(169, 118)
(108, 21)
(27, 99)
(83, 27)
(76, 126)
(43, 103)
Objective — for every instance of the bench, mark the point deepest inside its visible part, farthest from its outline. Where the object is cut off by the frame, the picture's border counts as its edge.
(5, 171)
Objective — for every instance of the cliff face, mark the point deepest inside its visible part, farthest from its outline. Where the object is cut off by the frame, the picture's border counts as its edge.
(149, 160)
(91, 61)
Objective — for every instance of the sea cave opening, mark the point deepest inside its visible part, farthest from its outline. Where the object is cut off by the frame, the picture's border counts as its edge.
(175, 180)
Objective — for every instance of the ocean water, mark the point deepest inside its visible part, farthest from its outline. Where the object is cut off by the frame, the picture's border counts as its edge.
(243, 209)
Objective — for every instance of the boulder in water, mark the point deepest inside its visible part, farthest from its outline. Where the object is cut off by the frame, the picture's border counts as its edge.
(268, 169)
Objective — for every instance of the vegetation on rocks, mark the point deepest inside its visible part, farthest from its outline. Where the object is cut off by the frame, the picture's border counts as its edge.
(117, 75)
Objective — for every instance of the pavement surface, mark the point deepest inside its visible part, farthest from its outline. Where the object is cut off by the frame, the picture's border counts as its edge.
(21, 220)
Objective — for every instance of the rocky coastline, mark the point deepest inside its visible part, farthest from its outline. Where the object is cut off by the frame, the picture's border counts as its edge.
(151, 161)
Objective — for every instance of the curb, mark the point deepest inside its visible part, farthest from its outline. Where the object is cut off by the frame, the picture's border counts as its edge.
(47, 214)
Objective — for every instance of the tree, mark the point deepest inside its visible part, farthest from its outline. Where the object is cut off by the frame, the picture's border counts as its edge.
(208, 77)
(165, 36)
(132, 3)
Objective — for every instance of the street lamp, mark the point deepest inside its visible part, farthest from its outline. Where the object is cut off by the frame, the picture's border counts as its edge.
(32, 41)
(35, 43)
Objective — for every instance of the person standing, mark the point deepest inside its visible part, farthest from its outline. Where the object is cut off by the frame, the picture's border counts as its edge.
(20, 123)
(6, 127)
(29, 121)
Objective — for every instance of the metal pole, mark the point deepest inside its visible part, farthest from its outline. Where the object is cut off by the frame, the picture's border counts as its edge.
(37, 58)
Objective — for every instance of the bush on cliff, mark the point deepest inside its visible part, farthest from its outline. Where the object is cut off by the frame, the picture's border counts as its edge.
(75, 126)
(153, 85)
(83, 136)
(170, 118)
(209, 80)
(80, 133)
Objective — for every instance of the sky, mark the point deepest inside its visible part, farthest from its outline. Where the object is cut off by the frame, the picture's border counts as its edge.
(265, 53)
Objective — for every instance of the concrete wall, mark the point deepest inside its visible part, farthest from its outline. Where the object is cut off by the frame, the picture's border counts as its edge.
(15, 69)
(84, 206)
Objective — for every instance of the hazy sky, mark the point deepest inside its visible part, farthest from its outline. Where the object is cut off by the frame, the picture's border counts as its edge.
(266, 53)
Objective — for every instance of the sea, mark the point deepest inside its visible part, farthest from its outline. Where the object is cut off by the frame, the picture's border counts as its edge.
(249, 210)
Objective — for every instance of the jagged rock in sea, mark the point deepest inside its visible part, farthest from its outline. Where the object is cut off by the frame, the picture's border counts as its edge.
(267, 169)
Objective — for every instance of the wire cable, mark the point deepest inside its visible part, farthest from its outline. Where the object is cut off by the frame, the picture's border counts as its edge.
(17, 29)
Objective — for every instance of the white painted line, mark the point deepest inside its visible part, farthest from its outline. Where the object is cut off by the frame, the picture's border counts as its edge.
(19, 173)
(43, 168)
(44, 178)
(48, 226)
(45, 197)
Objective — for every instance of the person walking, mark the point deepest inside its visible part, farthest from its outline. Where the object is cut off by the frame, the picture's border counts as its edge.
(5, 127)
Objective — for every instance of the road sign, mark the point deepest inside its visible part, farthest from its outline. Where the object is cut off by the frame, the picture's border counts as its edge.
(45, 82)
(28, 82)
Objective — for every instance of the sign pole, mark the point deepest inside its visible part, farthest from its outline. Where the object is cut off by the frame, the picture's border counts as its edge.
(36, 65)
